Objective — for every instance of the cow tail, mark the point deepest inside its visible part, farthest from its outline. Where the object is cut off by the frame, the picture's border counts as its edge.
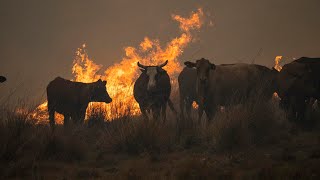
(171, 106)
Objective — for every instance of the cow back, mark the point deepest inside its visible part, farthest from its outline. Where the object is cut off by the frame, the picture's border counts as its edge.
(65, 95)
(237, 80)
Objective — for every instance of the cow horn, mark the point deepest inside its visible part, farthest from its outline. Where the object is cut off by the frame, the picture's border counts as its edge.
(165, 63)
(142, 66)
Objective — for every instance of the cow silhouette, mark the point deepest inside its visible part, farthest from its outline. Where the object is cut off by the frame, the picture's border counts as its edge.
(152, 91)
(71, 99)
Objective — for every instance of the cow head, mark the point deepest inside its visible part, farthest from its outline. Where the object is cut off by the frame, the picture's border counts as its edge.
(99, 92)
(2, 79)
(298, 78)
(203, 67)
(153, 73)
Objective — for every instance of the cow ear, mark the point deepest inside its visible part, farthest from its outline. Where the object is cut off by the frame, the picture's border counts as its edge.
(160, 70)
(213, 67)
(143, 70)
(190, 64)
(104, 82)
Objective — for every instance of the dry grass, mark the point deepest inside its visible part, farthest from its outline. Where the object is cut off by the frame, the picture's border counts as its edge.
(248, 124)
(134, 148)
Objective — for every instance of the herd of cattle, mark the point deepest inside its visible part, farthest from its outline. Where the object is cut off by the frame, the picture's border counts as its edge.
(210, 85)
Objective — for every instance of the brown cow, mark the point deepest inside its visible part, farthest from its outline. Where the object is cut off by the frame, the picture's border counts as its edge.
(221, 85)
(72, 98)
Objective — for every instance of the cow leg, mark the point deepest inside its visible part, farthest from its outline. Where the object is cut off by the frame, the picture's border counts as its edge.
(297, 108)
(81, 117)
(75, 118)
(164, 112)
(300, 109)
(182, 105)
(284, 103)
(51, 112)
(51, 117)
(78, 116)
(156, 112)
(200, 112)
(288, 104)
(188, 108)
(143, 110)
(210, 113)
(66, 120)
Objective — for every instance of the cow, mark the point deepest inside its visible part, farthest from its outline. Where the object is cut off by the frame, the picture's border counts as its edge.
(2, 79)
(71, 99)
(152, 90)
(297, 84)
(187, 90)
(222, 85)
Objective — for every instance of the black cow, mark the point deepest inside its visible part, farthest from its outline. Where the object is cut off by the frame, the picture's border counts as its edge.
(72, 98)
(299, 82)
(187, 90)
(221, 85)
(152, 90)
(2, 79)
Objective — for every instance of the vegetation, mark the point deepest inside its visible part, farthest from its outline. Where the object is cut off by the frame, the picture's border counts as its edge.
(253, 140)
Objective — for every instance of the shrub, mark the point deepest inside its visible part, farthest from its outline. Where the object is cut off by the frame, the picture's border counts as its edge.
(251, 123)
(135, 136)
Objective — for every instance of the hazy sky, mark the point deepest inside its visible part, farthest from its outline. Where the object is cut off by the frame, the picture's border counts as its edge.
(38, 38)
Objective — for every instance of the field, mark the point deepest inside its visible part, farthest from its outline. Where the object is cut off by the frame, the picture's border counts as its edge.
(254, 140)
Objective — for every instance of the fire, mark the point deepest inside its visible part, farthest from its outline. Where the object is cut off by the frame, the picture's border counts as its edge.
(276, 96)
(195, 105)
(84, 69)
(120, 77)
(277, 65)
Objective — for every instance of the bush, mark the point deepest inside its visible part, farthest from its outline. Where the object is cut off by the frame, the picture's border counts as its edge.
(135, 136)
(251, 123)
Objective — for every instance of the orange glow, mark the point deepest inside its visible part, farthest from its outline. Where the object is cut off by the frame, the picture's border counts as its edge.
(277, 65)
(195, 105)
(121, 76)
(276, 96)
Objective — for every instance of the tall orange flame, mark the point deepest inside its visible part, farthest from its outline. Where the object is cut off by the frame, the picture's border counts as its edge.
(121, 76)
(277, 65)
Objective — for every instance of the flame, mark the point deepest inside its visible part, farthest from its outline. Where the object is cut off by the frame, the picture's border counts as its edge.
(276, 97)
(121, 76)
(195, 105)
(84, 68)
(277, 65)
